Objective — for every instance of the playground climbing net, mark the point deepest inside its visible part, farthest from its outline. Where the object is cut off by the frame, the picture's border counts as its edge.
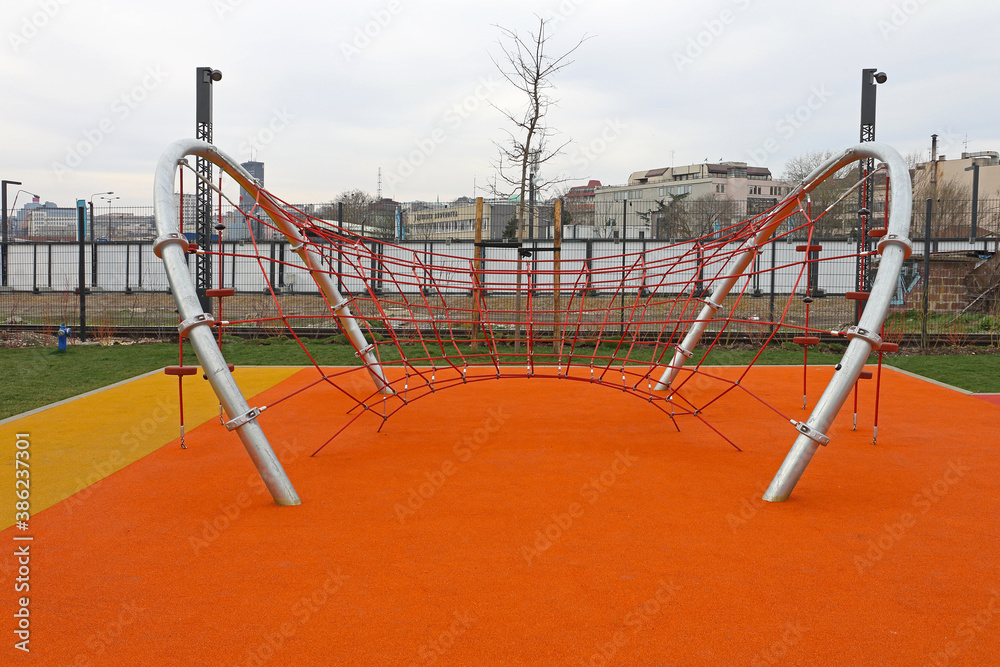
(616, 321)
(643, 321)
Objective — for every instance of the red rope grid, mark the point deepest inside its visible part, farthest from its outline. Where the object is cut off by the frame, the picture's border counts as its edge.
(422, 305)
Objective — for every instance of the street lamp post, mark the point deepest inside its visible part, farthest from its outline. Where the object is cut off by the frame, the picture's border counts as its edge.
(974, 230)
(869, 78)
(93, 248)
(3, 235)
(13, 207)
(111, 230)
(205, 77)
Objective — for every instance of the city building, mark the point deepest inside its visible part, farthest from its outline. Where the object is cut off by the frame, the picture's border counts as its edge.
(188, 211)
(960, 172)
(578, 203)
(45, 222)
(251, 219)
(727, 192)
(950, 183)
(457, 220)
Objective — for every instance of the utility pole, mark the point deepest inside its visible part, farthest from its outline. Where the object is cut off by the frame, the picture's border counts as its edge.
(3, 238)
(203, 195)
(869, 77)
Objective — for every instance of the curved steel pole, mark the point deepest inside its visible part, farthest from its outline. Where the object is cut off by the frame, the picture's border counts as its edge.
(310, 258)
(894, 249)
(171, 247)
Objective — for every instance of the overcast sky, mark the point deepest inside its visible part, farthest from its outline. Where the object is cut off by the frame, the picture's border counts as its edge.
(326, 93)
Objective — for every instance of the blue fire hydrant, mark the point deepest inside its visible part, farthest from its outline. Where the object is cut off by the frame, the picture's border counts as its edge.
(64, 333)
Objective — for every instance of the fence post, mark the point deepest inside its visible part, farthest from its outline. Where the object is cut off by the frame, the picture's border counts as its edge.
(556, 277)
(974, 232)
(477, 267)
(770, 308)
(927, 272)
(81, 223)
(340, 247)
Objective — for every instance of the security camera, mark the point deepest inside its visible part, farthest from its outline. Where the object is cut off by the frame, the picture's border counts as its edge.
(880, 77)
(217, 76)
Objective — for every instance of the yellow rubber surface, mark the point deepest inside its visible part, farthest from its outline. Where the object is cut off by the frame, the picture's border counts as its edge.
(75, 444)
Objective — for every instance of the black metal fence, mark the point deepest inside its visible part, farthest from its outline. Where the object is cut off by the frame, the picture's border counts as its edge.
(112, 284)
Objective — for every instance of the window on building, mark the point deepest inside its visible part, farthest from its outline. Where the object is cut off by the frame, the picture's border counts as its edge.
(720, 188)
(755, 190)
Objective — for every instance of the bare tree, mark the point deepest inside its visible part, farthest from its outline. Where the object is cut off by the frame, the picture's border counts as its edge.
(525, 64)
(364, 214)
(952, 208)
(843, 219)
(710, 214)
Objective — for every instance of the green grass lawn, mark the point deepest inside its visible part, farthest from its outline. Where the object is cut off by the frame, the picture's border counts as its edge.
(37, 376)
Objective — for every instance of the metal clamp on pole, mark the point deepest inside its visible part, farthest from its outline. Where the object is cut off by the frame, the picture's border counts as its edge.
(685, 353)
(365, 350)
(249, 415)
(811, 433)
(196, 320)
(870, 336)
(894, 239)
(167, 239)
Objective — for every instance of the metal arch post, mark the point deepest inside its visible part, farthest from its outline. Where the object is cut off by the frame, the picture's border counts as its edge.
(310, 258)
(894, 248)
(173, 255)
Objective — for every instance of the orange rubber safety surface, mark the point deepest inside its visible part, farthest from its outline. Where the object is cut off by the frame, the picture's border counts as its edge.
(535, 522)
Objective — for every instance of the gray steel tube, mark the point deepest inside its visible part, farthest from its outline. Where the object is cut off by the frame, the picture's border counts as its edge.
(894, 249)
(173, 254)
